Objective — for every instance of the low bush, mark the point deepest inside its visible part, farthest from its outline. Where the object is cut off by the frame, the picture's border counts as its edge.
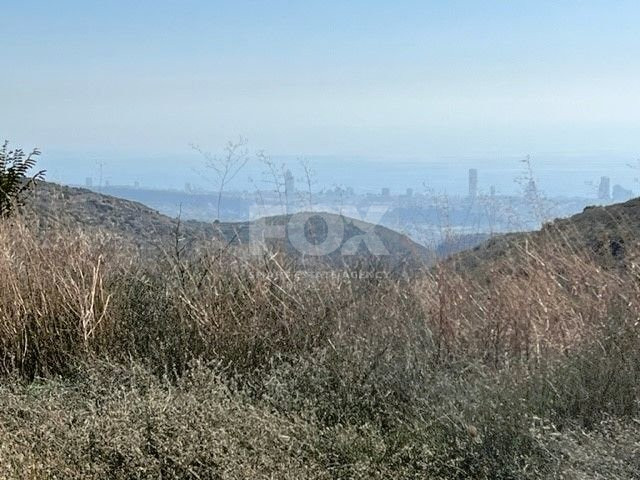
(118, 363)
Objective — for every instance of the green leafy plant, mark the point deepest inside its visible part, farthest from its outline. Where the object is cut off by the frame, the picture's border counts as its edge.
(15, 178)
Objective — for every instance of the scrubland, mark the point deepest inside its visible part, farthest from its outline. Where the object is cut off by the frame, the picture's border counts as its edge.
(188, 362)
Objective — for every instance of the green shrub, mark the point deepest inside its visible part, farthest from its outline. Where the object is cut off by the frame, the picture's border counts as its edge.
(15, 167)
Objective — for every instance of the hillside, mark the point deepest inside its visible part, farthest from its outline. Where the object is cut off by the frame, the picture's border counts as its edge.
(54, 205)
(57, 205)
(307, 235)
(606, 234)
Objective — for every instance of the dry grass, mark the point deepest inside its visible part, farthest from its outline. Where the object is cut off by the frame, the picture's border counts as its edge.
(193, 363)
(537, 302)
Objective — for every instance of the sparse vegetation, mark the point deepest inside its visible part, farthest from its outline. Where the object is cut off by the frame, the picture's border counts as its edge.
(227, 166)
(118, 363)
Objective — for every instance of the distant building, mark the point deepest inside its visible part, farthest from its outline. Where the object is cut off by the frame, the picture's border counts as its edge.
(386, 192)
(604, 190)
(493, 190)
(473, 183)
(88, 182)
(289, 191)
(409, 192)
(621, 194)
(187, 187)
(136, 184)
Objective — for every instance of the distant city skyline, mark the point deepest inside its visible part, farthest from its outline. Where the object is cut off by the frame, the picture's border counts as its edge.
(555, 176)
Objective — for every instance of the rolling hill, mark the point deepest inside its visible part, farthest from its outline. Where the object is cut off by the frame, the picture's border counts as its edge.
(301, 236)
(605, 234)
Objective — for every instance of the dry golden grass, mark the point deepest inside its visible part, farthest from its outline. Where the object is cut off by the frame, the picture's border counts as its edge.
(537, 302)
(193, 363)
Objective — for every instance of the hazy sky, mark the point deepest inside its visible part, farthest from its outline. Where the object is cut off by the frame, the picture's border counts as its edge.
(383, 78)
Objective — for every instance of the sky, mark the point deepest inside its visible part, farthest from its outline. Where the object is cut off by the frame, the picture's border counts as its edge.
(379, 79)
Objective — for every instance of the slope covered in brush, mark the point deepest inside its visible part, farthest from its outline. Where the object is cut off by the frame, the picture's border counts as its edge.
(53, 205)
(606, 234)
(303, 235)
(336, 238)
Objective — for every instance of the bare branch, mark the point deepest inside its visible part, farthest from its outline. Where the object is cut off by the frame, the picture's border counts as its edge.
(226, 166)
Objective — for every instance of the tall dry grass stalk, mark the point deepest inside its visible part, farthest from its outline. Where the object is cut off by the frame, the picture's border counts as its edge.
(54, 303)
(542, 298)
(69, 295)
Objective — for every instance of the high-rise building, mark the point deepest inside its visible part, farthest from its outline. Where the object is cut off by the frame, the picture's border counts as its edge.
(473, 183)
(88, 182)
(604, 190)
(386, 192)
(409, 192)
